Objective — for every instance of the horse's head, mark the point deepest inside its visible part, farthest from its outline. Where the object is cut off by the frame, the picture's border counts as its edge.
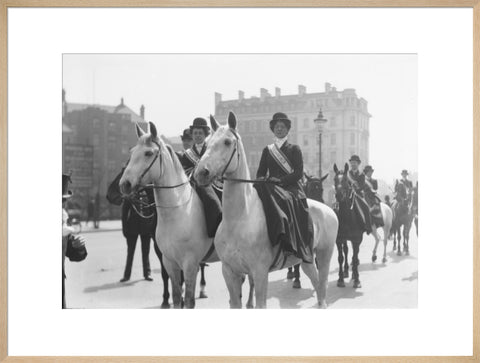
(314, 187)
(222, 156)
(342, 186)
(145, 163)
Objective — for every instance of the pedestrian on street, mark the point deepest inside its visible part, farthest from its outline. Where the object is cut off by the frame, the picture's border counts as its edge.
(73, 246)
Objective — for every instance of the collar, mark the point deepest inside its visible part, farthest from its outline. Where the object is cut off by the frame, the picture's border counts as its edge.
(199, 147)
(280, 142)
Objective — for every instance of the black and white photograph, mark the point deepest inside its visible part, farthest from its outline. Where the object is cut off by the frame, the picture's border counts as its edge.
(279, 181)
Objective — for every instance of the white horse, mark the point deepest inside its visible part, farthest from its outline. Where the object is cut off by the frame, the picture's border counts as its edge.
(387, 216)
(242, 241)
(181, 232)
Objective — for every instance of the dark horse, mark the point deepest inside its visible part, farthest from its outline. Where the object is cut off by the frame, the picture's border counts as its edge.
(350, 227)
(314, 190)
(415, 206)
(403, 215)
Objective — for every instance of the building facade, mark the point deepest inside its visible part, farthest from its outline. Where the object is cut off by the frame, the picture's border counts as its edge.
(96, 143)
(346, 131)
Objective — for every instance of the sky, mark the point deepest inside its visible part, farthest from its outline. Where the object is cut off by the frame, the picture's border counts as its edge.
(176, 88)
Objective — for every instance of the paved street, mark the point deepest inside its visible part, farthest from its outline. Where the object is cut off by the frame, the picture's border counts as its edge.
(94, 283)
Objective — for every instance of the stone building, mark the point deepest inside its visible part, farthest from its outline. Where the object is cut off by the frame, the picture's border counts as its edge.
(346, 131)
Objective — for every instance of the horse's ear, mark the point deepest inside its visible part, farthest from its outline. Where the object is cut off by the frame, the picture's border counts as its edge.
(232, 120)
(213, 123)
(324, 177)
(139, 130)
(153, 130)
(335, 169)
(346, 168)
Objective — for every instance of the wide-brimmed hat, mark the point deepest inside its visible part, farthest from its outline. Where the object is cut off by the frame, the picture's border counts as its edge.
(404, 171)
(187, 135)
(200, 123)
(355, 158)
(65, 181)
(280, 116)
(367, 169)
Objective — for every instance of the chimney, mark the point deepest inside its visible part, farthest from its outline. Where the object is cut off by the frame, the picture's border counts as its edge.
(142, 111)
(218, 98)
(241, 95)
(263, 94)
(302, 90)
(328, 87)
(121, 102)
(278, 92)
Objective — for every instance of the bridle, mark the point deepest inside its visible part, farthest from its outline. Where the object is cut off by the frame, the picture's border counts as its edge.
(136, 200)
(235, 151)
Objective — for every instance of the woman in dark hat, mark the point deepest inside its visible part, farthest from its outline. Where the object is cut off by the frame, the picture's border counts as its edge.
(357, 180)
(287, 212)
(210, 199)
(371, 187)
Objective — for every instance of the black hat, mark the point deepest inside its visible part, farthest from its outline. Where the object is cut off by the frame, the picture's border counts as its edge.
(65, 181)
(200, 123)
(280, 116)
(187, 135)
(405, 171)
(355, 158)
(367, 168)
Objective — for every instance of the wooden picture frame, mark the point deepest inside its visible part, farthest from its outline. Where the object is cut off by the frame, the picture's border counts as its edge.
(6, 4)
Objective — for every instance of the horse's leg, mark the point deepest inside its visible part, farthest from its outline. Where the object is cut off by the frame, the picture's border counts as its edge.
(296, 282)
(311, 272)
(174, 272)
(190, 272)
(250, 293)
(203, 294)
(385, 241)
(399, 240)
(377, 239)
(234, 284)
(406, 238)
(290, 274)
(345, 252)
(323, 258)
(260, 277)
(355, 263)
(340, 282)
(166, 294)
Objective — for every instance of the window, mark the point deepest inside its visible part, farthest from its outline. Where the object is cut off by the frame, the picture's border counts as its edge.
(333, 157)
(352, 138)
(352, 120)
(305, 140)
(333, 121)
(333, 139)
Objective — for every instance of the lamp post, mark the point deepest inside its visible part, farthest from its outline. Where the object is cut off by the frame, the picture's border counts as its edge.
(320, 122)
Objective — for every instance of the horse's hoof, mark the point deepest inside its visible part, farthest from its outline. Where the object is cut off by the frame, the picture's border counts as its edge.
(249, 306)
(345, 274)
(165, 305)
(202, 295)
(322, 305)
(290, 275)
(374, 258)
(407, 253)
(357, 284)
(296, 284)
(399, 253)
(341, 283)
(384, 259)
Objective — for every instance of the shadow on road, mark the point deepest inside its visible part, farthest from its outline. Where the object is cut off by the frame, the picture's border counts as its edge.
(110, 286)
(412, 277)
(395, 258)
(288, 297)
(335, 293)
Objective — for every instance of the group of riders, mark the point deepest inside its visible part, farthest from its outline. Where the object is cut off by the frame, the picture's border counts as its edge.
(280, 186)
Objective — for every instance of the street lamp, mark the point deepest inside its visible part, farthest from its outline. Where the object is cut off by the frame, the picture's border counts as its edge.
(320, 122)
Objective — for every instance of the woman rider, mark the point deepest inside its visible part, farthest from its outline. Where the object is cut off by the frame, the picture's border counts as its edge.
(283, 197)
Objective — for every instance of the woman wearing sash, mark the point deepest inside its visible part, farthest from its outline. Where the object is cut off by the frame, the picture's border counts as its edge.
(210, 199)
(283, 196)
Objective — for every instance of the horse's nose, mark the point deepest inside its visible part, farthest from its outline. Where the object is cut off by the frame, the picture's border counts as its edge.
(205, 172)
(126, 187)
